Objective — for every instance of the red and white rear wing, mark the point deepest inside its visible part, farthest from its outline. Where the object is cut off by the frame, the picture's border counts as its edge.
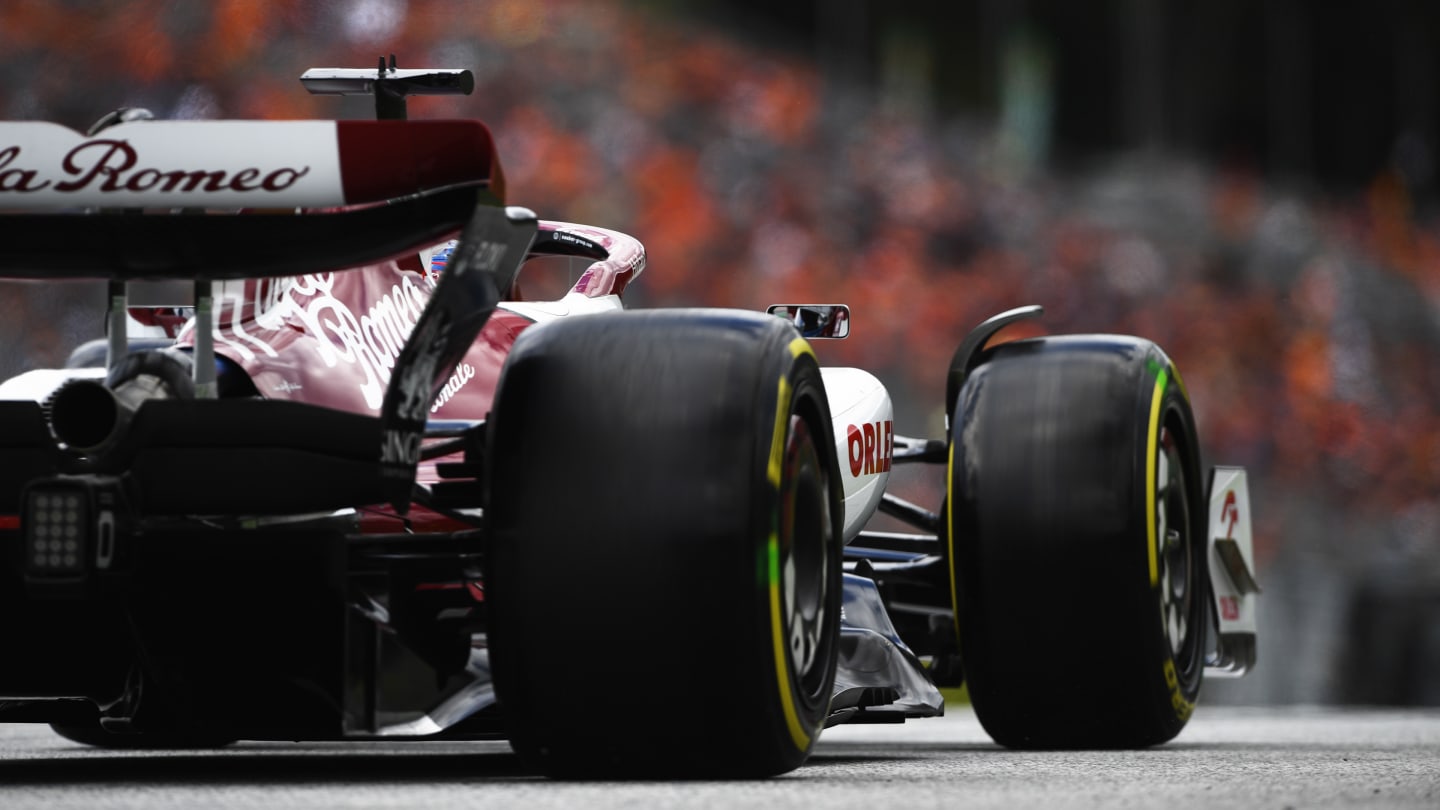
(100, 207)
(240, 164)
(105, 206)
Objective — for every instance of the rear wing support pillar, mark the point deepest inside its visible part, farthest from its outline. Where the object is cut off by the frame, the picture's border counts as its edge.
(204, 357)
(388, 84)
(117, 333)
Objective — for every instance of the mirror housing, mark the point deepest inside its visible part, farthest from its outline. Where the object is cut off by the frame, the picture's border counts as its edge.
(816, 320)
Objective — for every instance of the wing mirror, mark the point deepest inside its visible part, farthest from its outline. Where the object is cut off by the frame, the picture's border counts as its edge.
(816, 320)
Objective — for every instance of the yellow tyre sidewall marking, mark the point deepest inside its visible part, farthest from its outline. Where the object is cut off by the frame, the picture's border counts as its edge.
(1152, 445)
(1183, 708)
(798, 734)
(797, 347)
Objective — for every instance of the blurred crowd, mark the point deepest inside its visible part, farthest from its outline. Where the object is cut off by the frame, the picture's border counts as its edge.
(1306, 325)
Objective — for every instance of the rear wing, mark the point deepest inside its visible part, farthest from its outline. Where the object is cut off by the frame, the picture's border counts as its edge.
(153, 200)
(217, 200)
(228, 166)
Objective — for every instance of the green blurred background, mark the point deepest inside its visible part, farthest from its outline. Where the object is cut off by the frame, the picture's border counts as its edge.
(1250, 184)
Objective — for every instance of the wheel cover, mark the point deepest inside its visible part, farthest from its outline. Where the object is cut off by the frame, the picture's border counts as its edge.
(1174, 541)
(805, 529)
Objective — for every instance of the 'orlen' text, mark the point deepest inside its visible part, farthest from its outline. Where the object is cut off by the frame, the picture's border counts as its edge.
(871, 446)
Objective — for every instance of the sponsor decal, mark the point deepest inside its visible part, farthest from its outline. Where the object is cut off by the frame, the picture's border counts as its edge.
(171, 163)
(417, 380)
(485, 258)
(400, 447)
(110, 166)
(1230, 513)
(1183, 708)
(870, 447)
(371, 341)
(463, 373)
(439, 259)
(1230, 608)
(588, 246)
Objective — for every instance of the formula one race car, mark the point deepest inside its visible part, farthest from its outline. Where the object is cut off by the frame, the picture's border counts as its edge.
(351, 485)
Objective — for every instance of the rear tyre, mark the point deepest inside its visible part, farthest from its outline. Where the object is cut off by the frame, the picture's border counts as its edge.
(1076, 529)
(663, 569)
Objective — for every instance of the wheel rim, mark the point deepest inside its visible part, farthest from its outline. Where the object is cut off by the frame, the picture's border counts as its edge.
(1174, 540)
(805, 527)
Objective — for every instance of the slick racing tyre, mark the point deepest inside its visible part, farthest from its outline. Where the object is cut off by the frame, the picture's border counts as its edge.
(663, 569)
(1076, 538)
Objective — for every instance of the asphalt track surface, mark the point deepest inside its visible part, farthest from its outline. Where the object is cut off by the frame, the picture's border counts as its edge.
(1272, 758)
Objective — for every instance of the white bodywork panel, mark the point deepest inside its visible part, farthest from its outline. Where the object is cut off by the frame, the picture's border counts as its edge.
(1230, 521)
(1232, 572)
(40, 383)
(574, 303)
(864, 420)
